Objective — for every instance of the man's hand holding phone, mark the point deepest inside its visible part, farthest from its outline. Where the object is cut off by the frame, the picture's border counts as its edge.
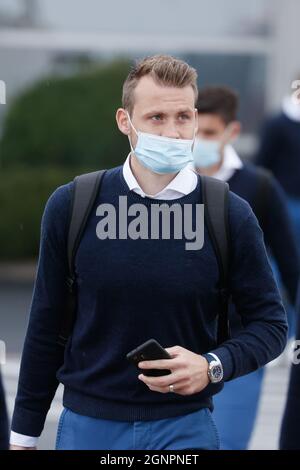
(187, 372)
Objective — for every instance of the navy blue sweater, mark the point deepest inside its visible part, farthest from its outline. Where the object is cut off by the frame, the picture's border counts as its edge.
(133, 290)
(280, 152)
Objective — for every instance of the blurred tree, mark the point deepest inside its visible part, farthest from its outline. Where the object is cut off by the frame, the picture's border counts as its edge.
(67, 122)
(59, 128)
(23, 195)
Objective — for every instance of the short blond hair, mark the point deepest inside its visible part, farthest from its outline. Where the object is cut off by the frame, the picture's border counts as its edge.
(165, 70)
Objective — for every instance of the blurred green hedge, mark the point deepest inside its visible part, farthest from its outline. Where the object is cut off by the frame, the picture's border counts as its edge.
(57, 129)
(23, 195)
(67, 121)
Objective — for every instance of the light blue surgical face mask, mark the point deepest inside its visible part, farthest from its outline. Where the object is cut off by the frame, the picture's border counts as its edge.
(206, 152)
(162, 154)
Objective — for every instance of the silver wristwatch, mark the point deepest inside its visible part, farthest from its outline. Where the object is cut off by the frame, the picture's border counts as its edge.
(215, 368)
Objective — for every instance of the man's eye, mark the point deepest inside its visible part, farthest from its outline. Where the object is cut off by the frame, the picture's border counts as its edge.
(157, 117)
(184, 117)
(210, 134)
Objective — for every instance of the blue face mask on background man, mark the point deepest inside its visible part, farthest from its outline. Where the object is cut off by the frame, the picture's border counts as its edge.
(206, 152)
(162, 154)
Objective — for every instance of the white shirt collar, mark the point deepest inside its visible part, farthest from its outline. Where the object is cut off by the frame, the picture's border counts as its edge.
(184, 183)
(231, 163)
(291, 109)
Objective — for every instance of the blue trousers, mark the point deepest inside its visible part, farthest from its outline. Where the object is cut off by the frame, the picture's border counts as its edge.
(294, 211)
(236, 405)
(195, 430)
(236, 408)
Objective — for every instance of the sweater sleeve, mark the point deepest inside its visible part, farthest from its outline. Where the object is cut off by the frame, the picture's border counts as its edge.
(42, 357)
(256, 299)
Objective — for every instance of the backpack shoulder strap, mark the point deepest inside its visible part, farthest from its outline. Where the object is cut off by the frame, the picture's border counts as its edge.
(215, 195)
(86, 187)
(85, 190)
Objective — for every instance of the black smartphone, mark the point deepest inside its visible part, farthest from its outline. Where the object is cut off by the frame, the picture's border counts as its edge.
(149, 351)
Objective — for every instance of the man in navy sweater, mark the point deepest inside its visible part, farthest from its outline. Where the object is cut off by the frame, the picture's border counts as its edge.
(279, 151)
(131, 289)
(236, 406)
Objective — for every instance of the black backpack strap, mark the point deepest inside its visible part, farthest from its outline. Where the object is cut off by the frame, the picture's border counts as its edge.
(86, 188)
(215, 199)
(261, 199)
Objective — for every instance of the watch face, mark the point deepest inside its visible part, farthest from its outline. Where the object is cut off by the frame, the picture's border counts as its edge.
(217, 372)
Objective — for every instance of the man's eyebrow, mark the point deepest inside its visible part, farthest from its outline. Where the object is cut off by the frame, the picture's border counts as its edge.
(185, 110)
(153, 112)
(157, 112)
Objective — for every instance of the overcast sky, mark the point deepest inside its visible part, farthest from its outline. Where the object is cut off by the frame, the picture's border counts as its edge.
(209, 17)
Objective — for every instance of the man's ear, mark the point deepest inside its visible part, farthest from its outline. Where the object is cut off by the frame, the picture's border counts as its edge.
(196, 122)
(123, 121)
(236, 128)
